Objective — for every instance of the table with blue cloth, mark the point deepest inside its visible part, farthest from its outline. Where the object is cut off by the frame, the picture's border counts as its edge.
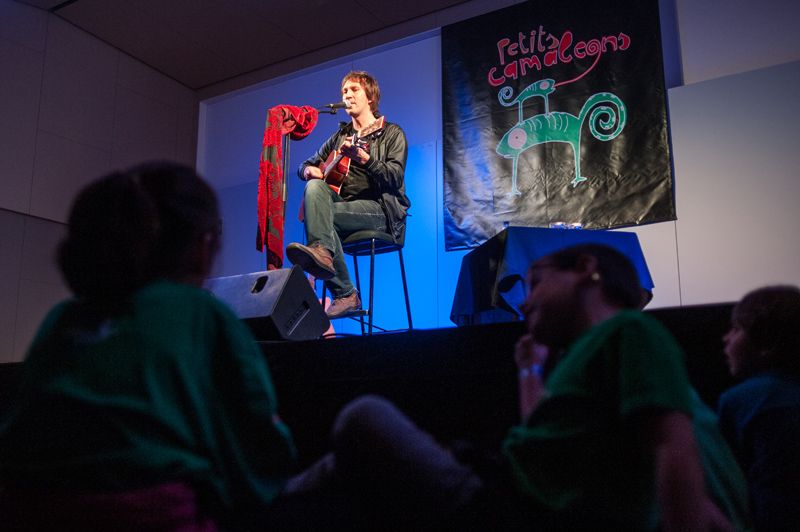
(491, 283)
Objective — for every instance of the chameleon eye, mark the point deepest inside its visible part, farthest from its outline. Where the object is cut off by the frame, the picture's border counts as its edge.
(517, 138)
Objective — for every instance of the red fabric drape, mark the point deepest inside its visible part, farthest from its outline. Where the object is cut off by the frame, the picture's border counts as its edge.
(297, 122)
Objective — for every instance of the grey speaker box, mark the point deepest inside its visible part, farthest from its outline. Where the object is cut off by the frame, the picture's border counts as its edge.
(275, 304)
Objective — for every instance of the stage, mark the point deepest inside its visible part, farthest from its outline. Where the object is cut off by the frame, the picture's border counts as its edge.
(458, 383)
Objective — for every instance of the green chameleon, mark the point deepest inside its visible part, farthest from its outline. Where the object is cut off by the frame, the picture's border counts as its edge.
(558, 126)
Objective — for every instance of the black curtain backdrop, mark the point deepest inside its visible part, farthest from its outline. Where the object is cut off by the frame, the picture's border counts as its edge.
(571, 91)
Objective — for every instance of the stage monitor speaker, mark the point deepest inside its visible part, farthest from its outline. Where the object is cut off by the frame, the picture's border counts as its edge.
(275, 304)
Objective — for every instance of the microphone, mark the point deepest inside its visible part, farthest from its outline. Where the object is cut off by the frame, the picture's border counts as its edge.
(338, 105)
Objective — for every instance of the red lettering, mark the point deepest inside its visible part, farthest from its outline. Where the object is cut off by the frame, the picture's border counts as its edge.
(593, 47)
(493, 81)
(521, 40)
(511, 70)
(539, 40)
(624, 41)
(609, 41)
(566, 41)
(501, 44)
(527, 63)
(580, 50)
(538, 49)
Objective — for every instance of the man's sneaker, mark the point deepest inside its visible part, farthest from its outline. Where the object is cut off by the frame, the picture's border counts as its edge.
(339, 308)
(314, 259)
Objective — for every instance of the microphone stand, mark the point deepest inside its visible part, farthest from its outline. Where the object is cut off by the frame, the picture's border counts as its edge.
(328, 109)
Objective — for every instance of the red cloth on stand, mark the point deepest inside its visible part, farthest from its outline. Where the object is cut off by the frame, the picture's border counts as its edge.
(297, 122)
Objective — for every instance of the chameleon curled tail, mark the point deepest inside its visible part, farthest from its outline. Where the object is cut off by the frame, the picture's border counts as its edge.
(600, 113)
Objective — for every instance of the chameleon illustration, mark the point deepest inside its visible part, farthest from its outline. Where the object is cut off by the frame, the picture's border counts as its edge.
(558, 126)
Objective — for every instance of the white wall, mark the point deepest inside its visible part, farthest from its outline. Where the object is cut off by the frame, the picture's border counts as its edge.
(733, 128)
(731, 124)
(72, 108)
(723, 37)
(736, 162)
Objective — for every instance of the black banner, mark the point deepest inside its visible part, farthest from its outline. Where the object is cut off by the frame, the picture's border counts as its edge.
(554, 112)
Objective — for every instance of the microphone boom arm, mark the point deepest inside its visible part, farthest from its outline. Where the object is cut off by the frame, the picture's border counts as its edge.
(332, 108)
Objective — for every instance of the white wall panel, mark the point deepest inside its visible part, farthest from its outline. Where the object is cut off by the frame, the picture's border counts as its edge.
(140, 78)
(20, 86)
(723, 37)
(36, 298)
(658, 242)
(79, 86)
(62, 91)
(12, 229)
(39, 251)
(40, 282)
(144, 128)
(736, 158)
(63, 167)
(23, 25)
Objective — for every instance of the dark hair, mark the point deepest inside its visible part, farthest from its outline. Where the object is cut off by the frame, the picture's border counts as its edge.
(769, 317)
(129, 228)
(618, 276)
(370, 84)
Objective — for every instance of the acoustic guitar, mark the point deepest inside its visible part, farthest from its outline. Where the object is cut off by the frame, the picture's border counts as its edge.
(337, 165)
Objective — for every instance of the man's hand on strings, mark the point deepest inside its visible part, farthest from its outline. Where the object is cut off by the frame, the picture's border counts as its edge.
(354, 151)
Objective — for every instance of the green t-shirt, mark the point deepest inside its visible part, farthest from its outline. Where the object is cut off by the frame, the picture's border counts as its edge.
(578, 453)
(175, 388)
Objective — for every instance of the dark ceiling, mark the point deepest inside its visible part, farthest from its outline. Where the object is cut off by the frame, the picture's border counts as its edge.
(203, 42)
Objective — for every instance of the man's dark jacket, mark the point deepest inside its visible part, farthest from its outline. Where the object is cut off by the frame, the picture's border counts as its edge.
(388, 150)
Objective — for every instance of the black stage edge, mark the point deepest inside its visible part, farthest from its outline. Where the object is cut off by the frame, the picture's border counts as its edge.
(457, 383)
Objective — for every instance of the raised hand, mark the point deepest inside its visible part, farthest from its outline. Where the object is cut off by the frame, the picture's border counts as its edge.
(529, 357)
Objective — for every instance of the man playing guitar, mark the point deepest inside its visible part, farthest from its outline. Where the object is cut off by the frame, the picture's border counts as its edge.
(369, 157)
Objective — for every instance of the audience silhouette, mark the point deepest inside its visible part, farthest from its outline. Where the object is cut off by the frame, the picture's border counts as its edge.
(760, 416)
(612, 437)
(145, 403)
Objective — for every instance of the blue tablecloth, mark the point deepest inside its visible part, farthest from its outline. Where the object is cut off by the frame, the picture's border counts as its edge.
(491, 283)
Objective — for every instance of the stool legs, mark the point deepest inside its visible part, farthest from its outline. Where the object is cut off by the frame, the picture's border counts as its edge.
(371, 282)
(361, 294)
(405, 287)
(371, 300)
